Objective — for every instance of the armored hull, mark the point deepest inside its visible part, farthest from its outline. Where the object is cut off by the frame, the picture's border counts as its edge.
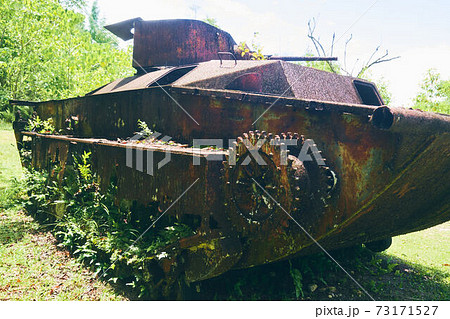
(302, 160)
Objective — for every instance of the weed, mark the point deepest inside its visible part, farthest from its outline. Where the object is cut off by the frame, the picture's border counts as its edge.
(84, 167)
(145, 131)
(35, 124)
(98, 232)
(297, 279)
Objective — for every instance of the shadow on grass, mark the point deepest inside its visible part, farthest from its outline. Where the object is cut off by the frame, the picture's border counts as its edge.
(316, 277)
(13, 231)
(411, 281)
(13, 226)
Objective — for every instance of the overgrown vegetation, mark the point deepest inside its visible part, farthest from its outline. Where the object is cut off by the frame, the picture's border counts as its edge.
(37, 125)
(254, 52)
(145, 130)
(31, 265)
(114, 240)
(48, 52)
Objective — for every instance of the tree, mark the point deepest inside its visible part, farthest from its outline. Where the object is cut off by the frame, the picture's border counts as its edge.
(46, 53)
(212, 22)
(434, 93)
(73, 4)
(341, 68)
(96, 23)
(374, 58)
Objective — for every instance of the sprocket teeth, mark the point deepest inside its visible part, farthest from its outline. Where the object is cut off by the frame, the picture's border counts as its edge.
(251, 136)
(305, 182)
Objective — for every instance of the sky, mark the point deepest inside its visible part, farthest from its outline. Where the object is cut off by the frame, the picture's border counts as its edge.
(416, 30)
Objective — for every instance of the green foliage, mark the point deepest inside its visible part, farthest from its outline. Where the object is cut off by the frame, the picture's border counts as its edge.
(73, 4)
(99, 231)
(145, 130)
(434, 94)
(41, 126)
(212, 22)
(98, 33)
(297, 280)
(255, 53)
(46, 53)
(85, 167)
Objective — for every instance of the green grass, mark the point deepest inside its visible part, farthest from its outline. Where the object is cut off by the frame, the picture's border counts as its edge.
(430, 247)
(415, 267)
(9, 157)
(404, 272)
(31, 266)
(5, 126)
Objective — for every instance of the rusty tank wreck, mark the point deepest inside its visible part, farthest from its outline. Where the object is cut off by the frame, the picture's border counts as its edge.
(270, 158)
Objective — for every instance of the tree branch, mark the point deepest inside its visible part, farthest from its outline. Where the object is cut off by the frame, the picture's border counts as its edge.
(377, 61)
(319, 47)
(321, 52)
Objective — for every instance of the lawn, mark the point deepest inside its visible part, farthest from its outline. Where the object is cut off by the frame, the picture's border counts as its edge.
(415, 267)
(31, 265)
(430, 248)
(9, 157)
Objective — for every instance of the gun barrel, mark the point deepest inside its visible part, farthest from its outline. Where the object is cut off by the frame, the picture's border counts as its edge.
(302, 58)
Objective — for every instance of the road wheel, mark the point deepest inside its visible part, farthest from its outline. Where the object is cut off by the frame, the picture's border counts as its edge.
(379, 245)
